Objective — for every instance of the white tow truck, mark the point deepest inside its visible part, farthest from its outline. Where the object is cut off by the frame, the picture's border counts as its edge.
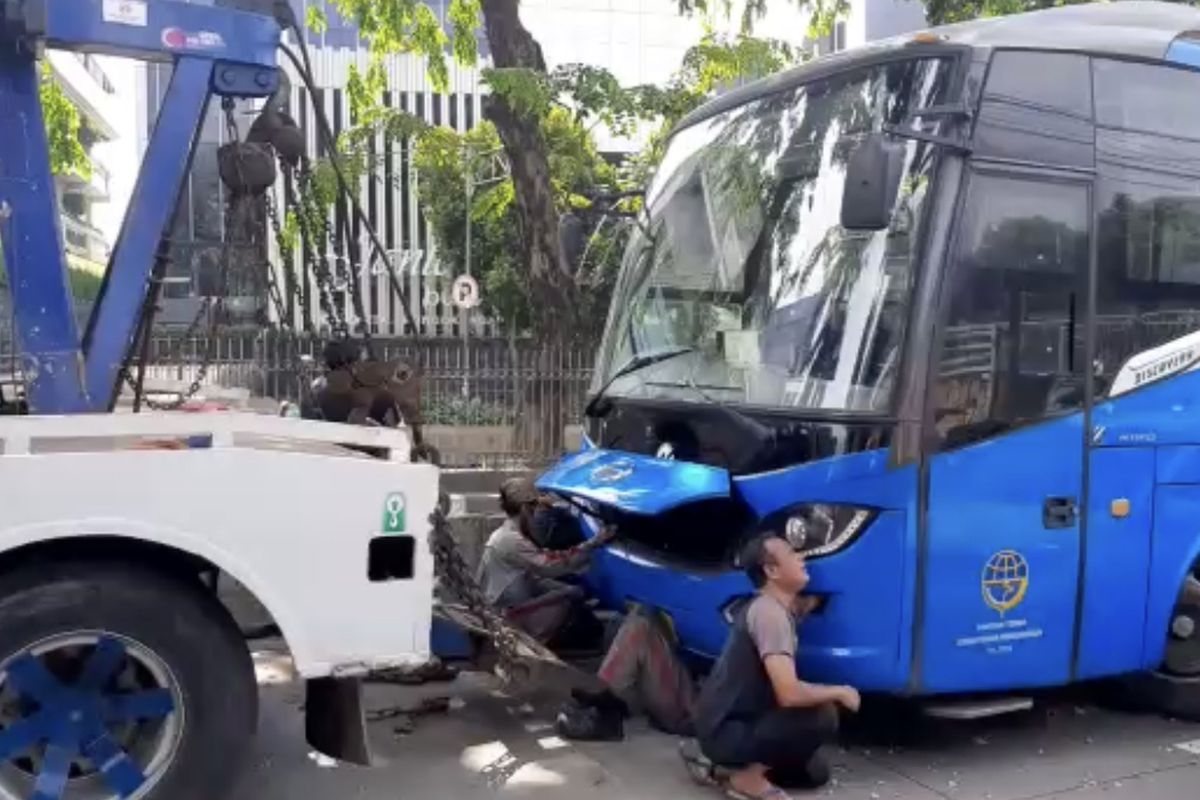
(122, 672)
(109, 524)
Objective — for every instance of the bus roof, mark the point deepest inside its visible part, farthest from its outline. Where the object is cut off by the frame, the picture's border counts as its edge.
(1130, 28)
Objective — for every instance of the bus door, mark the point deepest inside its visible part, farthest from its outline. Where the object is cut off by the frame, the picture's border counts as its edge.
(1005, 452)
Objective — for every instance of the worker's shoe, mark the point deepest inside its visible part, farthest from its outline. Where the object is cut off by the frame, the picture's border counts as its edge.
(604, 699)
(592, 717)
(815, 774)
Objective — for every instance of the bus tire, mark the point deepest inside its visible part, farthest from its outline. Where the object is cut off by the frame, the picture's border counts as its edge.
(1161, 693)
(1174, 688)
(123, 681)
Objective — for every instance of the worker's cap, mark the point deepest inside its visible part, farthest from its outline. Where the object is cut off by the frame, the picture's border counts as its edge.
(341, 353)
(519, 491)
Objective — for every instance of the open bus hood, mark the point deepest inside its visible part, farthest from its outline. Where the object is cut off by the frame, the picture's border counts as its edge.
(633, 483)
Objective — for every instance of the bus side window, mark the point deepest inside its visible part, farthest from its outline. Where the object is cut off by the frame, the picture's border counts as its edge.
(1148, 271)
(1012, 349)
(1037, 108)
(1148, 254)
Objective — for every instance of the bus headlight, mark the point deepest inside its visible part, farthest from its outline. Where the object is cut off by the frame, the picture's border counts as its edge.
(820, 529)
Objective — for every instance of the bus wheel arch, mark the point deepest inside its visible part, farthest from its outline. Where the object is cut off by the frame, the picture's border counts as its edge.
(1173, 688)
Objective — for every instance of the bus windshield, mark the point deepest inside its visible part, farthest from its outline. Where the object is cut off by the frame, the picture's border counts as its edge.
(740, 286)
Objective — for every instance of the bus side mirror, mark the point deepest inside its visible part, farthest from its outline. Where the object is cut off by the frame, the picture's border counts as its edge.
(872, 181)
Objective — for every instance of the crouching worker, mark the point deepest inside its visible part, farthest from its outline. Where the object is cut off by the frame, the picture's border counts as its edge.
(756, 720)
(641, 672)
(521, 579)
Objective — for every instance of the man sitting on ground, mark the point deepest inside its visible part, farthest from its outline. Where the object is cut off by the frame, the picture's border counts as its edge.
(755, 718)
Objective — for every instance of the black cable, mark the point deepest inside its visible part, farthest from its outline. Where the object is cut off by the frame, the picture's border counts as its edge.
(326, 131)
(350, 243)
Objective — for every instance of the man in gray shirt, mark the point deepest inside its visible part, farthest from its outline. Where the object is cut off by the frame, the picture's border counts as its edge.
(755, 717)
(519, 577)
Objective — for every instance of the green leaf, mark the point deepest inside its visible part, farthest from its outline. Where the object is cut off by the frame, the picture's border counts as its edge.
(527, 91)
(409, 26)
(366, 92)
(822, 13)
(315, 19)
(430, 40)
(63, 124)
(464, 22)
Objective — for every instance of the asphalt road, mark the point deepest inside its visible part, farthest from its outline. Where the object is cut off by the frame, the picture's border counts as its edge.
(488, 744)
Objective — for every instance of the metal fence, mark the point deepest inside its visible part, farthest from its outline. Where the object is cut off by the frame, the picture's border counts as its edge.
(490, 401)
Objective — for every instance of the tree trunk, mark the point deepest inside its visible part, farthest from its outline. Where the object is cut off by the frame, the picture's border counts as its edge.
(512, 46)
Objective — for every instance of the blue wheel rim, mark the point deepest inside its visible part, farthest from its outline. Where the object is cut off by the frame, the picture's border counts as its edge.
(86, 716)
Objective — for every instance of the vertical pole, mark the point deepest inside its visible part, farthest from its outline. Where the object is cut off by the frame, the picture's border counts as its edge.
(146, 327)
(465, 312)
(47, 336)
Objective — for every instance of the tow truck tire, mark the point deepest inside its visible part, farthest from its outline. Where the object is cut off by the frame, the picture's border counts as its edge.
(168, 664)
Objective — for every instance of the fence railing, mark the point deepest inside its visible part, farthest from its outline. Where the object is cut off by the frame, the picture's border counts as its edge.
(494, 400)
(500, 401)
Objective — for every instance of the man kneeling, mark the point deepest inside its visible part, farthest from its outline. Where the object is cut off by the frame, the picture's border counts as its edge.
(755, 719)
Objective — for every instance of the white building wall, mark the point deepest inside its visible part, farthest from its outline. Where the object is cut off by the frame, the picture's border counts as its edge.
(92, 100)
(390, 196)
(121, 155)
(639, 41)
(102, 90)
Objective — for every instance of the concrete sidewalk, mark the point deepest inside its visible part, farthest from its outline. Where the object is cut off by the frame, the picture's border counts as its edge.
(488, 744)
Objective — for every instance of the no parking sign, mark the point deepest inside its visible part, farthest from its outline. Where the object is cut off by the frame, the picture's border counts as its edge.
(464, 293)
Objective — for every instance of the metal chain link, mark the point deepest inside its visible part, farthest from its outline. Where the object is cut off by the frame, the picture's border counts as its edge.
(290, 291)
(339, 275)
(305, 216)
(286, 248)
(456, 577)
(342, 273)
(211, 306)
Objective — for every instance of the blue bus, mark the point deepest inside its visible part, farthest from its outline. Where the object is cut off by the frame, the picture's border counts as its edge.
(931, 310)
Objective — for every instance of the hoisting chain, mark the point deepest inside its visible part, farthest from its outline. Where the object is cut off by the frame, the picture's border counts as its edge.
(306, 210)
(287, 253)
(317, 238)
(211, 305)
(456, 578)
(344, 277)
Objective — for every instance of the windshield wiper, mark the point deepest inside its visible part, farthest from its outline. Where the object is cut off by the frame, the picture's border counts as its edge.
(633, 365)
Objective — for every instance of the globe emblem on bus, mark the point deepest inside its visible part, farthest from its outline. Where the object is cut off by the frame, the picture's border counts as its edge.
(1005, 581)
(618, 470)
